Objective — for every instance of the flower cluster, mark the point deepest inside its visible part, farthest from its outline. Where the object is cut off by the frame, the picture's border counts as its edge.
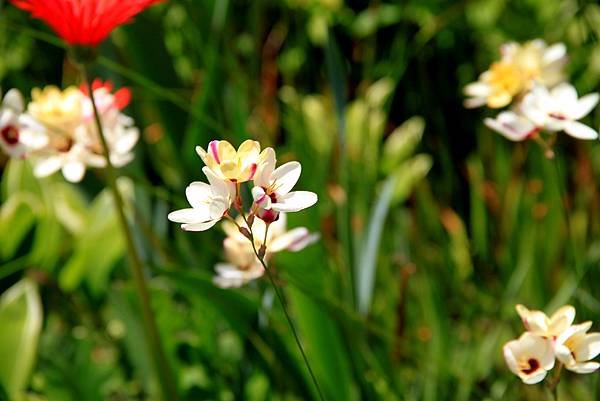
(548, 338)
(56, 131)
(258, 232)
(529, 78)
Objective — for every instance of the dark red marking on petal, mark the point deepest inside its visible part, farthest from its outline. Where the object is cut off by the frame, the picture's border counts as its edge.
(10, 134)
(252, 170)
(533, 366)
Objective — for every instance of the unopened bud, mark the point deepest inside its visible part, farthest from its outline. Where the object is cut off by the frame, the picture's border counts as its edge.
(261, 251)
(246, 233)
(250, 219)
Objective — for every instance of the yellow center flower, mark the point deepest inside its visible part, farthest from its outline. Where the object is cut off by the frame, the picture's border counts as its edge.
(506, 80)
(230, 164)
(60, 110)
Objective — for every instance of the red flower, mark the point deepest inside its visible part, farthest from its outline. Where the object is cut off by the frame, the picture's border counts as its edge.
(84, 22)
(122, 96)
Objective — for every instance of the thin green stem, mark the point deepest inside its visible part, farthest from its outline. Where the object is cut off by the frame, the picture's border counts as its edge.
(285, 309)
(165, 375)
(553, 383)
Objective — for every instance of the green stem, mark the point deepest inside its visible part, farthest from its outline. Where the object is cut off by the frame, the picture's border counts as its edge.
(166, 379)
(553, 383)
(285, 311)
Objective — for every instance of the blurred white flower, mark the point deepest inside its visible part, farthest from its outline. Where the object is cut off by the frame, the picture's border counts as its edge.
(512, 125)
(516, 72)
(242, 264)
(575, 348)
(18, 133)
(559, 109)
(530, 357)
(230, 164)
(71, 142)
(272, 186)
(209, 203)
(538, 323)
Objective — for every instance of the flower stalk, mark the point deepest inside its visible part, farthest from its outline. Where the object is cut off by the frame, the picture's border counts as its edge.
(553, 382)
(163, 370)
(260, 256)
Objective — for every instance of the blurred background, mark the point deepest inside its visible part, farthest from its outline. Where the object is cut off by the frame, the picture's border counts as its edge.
(432, 226)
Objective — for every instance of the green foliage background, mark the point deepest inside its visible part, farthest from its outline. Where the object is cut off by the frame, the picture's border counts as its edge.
(367, 96)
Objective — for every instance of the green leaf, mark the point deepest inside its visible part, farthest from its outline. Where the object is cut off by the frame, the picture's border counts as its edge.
(21, 322)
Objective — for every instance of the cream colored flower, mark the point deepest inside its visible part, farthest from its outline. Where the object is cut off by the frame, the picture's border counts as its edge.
(242, 264)
(230, 164)
(538, 323)
(530, 357)
(272, 188)
(73, 139)
(517, 71)
(575, 348)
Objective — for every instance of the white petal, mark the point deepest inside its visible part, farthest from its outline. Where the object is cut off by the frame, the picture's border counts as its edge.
(534, 378)
(286, 176)
(199, 226)
(579, 130)
(73, 171)
(220, 187)
(563, 353)
(583, 106)
(293, 240)
(265, 167)
(198, 194)
(126, 141)
(583, 368)
(554, 53)
(564, 93)
(589, 347)
(477, 89)
(295, 201)
(189, 216)
(13, 100)
(45, 167)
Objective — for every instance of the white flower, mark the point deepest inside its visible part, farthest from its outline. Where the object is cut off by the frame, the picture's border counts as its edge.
(575, 348)
(530, 357)
(538, 323)
(272, 186)
(513, 126)
(559, 109)
(18, 133)
(209, 203)
(242, 264)
(516, 72)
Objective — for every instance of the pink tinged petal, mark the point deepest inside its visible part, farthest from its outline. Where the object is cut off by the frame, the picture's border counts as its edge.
(199, 226)
(293, 240)
(589, 348)
(554, 53)
(47, 166)
(189, 215)
(286, 176)
(295, 201)
(585, 368)
(213, 147)
(73, 171)
(512, 126)
(583, 106)
(261, 198)
(579, 130)
(198, 194)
